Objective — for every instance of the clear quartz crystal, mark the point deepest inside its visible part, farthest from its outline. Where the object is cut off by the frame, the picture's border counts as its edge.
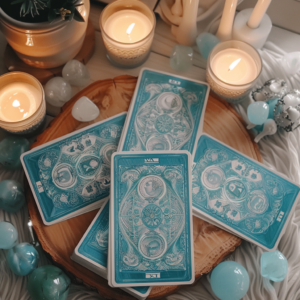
(84, 110)
(76, 73)
(181, 58)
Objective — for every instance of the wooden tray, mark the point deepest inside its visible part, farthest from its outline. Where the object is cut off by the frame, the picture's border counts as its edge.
(113, 96)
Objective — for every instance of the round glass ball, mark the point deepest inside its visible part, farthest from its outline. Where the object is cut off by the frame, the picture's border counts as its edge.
(11, 195)
(8, 234)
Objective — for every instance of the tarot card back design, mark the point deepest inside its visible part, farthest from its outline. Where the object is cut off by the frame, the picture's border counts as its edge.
(240, 194)
(152, 219)
(73, 172)
(166, 113)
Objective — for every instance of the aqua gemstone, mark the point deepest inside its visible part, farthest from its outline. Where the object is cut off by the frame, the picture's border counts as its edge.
(258, 112)
(22, 259)
(8, 235)
(11, 149)
(206, 42)
(229, 281)
(11, 195)
(272, 103)
(48, 283)
(273, 265)
(181, 58)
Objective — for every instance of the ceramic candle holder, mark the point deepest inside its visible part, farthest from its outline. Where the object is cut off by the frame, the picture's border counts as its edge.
(127, 28)
(22, 103)
(232, 69)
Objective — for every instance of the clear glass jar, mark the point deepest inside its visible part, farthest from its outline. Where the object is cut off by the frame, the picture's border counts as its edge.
(127, 55)
(233, 93)
(32, 122)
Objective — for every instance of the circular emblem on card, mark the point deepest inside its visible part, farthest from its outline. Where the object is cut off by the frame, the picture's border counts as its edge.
(152, 188)
(212, 177)
(107, 152)
(64, 176)
(258, 202)
(235, 189)
(158, 143)
(152, 216)
(164, 124)
(152, 245)
(88, 166)
(169, 102)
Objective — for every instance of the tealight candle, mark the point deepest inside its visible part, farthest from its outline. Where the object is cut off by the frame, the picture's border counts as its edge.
(22, 103)
(127, 28)
(233, 67)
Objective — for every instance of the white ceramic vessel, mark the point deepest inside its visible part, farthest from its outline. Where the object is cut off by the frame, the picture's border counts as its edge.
(46, 45)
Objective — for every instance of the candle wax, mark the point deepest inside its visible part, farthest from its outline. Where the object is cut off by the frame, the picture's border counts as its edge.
(234, 66)
(18, 101)
(127, 26)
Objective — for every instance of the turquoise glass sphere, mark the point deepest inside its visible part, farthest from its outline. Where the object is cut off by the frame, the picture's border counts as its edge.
(181, 58)
(11, 195)
(274, 265)
(48, 283)
(206, 42)
(22, 259)
(11, 149)
(8, 235)
(258, 112)
(229, 281)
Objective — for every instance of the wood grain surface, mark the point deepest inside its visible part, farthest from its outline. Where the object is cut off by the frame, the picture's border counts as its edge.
(113, 96)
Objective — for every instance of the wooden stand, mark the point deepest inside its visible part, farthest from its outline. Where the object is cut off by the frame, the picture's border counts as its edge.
(113, 96)
(14, 63)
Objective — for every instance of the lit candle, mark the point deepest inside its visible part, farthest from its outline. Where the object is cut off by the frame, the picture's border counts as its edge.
(233, 67)
(127, 28)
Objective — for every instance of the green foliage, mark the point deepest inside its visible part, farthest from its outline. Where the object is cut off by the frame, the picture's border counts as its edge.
(66, 9)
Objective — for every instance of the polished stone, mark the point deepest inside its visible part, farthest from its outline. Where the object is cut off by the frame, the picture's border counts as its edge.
(258, 112)
(11, 149)
(11, 195)
(84, 110)
(181, 58)
(76, 73)
(48, 283)
(206, 42)
(274, 265)
(22, 259)
(8, 235)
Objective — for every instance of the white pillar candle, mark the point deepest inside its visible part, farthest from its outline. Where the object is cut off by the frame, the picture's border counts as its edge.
(234, 66)
(18, 101)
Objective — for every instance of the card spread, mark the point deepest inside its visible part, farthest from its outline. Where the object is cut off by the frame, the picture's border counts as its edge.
(240, 195)
(92, 250)
(151, 238)
(166, 113)
(71, 175)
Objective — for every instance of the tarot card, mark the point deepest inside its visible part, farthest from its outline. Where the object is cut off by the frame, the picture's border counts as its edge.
(241, 195)
(151, 219)
(71, 175)
(166, 113)
(92, 250)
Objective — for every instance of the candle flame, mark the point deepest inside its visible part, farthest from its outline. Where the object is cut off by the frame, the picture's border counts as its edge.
(234, 64)
(16, 103)
(130, 28)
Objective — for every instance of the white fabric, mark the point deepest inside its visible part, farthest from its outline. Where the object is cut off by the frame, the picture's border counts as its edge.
(280, 152)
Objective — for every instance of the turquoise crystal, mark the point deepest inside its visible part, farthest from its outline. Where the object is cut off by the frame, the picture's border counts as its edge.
(11, 149)
(8, 235)
(181, 58)
(258, 112)
(22, 259)
(48, 283)
(272, 103)
(274, 265)
(11, 195)
(229, 281)
(206, 42)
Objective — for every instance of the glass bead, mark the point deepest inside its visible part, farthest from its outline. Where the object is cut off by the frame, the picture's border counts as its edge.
(206, 42)
(11, 149)
(8, 234)
(11, 195)
(181, 58)
(85, 110)
(48, 283)
(76, 73)
(229, 281)
(258, 112)
(22, 259)
(274, 265)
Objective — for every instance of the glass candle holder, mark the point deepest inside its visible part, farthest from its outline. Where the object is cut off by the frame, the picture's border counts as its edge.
(232, 69)
(127, 28)
(22, 103)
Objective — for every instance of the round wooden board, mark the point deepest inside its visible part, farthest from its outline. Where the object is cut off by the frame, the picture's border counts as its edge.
(14, 63)
(113, 96)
